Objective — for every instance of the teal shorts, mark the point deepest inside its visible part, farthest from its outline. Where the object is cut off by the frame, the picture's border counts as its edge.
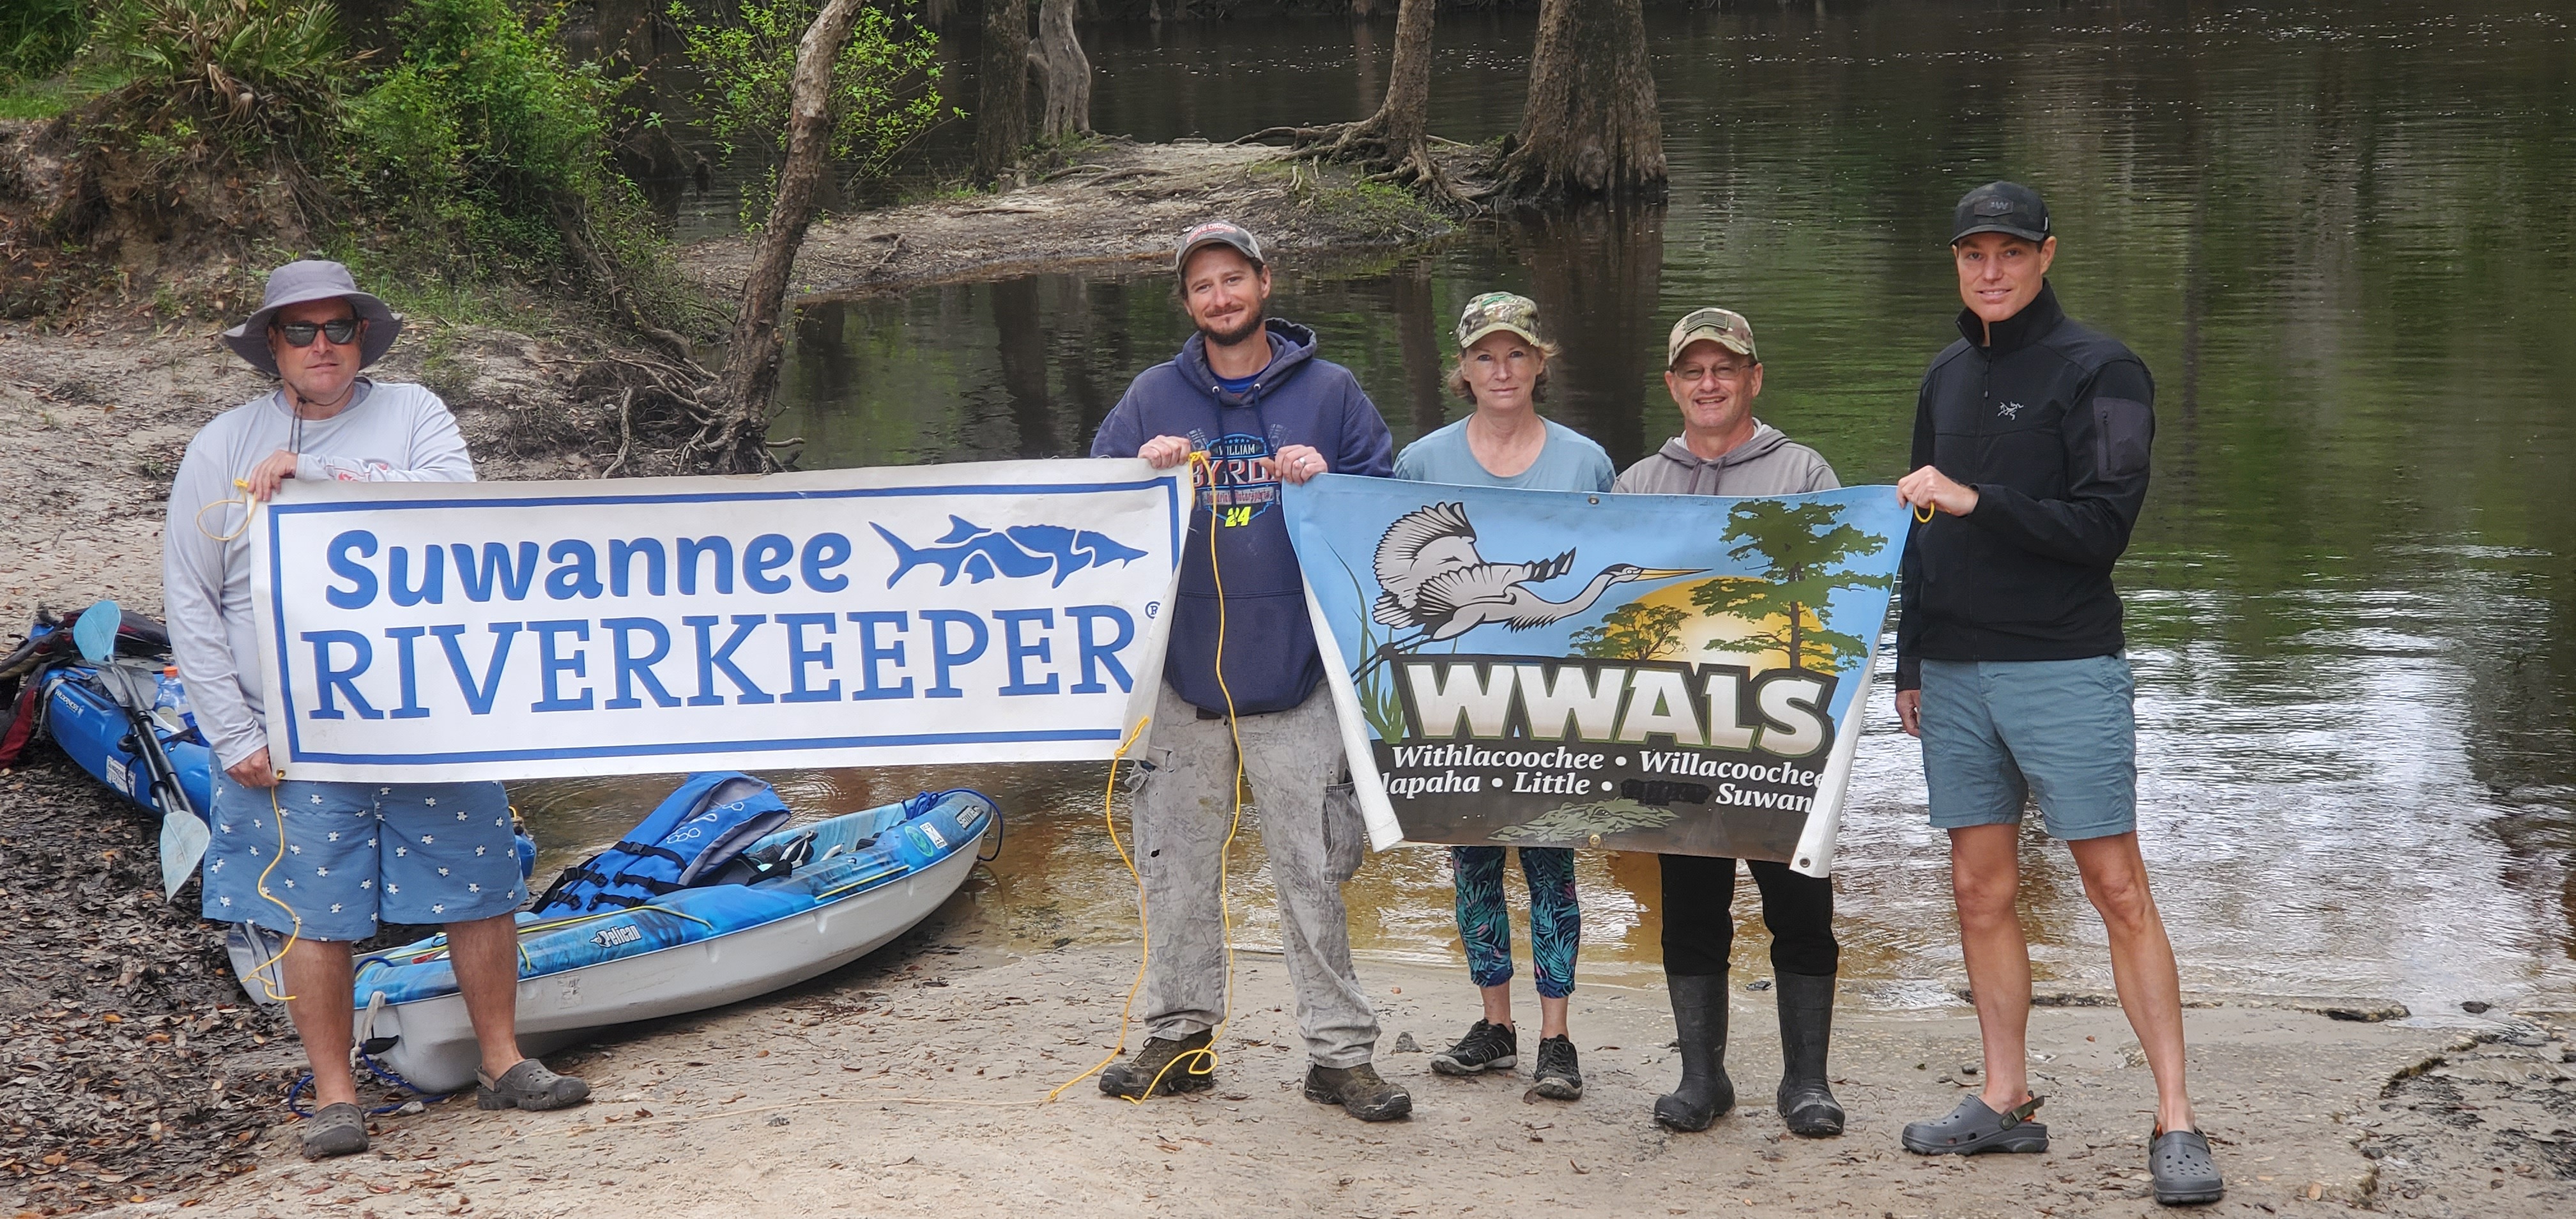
(1999, 733)
(348, 855)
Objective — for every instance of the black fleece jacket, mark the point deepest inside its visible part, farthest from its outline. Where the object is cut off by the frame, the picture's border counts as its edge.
(2051, 424)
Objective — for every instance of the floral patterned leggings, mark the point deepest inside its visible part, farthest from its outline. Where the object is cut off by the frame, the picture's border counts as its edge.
(1485, 923)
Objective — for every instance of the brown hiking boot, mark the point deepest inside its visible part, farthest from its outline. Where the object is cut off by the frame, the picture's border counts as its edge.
(1359, 1091)
(1162, 1068)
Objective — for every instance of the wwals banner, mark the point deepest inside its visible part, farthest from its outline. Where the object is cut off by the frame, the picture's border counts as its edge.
(1642, 672)
(1004, 611)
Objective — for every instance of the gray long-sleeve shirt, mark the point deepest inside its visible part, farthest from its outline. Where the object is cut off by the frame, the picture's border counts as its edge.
(389, 432)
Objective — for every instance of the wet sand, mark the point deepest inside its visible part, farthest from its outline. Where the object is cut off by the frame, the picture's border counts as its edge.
(911, 1084)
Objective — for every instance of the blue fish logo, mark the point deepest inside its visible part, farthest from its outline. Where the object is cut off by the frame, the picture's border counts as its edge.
(1021, 551)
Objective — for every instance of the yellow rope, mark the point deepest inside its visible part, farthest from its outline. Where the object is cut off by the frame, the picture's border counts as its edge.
(1201, 1061)
(248, 506)
(297, 930)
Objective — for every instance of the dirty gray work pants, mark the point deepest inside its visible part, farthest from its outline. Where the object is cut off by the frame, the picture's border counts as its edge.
(1182, 813)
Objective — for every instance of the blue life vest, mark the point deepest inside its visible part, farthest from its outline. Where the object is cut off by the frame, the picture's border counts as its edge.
(699, 828)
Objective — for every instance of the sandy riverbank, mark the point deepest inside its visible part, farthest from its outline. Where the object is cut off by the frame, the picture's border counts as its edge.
(909, 1084)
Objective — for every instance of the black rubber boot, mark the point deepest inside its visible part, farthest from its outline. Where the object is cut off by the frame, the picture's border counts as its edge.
(1699, 1023)
(1806, 1029)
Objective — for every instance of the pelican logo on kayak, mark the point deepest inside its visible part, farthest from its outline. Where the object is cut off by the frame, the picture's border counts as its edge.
(617, 936)
(1018, 552)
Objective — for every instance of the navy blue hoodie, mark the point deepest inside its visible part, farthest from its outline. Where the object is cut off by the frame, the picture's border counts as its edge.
(1270, 658)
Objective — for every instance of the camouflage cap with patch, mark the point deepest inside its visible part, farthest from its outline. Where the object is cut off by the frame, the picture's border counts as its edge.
(1724, 327)
(1498, 312)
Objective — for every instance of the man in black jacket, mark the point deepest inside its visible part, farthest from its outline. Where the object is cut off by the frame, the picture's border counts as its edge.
(2031, 437)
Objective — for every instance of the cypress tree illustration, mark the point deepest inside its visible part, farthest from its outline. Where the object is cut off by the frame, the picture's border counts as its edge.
(1805, 545)
(1635, 631)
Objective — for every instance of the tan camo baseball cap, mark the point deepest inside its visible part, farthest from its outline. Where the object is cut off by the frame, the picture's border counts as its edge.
(1496, 312)
(1725, 327)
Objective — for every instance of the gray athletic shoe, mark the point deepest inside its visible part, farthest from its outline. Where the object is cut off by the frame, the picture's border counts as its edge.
(1972, 1128)
(2184, 1173)
(335, 1130)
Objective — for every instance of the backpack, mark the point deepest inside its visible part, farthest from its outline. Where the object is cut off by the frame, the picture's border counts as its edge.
(699, 830)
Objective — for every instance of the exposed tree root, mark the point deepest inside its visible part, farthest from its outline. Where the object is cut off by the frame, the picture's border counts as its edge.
(1386, 155)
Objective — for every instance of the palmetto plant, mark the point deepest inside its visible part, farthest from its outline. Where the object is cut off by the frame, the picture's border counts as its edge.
(276, 64)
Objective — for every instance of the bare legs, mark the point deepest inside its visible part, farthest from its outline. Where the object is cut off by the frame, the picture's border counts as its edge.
(317, 986)
(1985, 873)
(486, 953)
(1498, 1010)
(318, 976)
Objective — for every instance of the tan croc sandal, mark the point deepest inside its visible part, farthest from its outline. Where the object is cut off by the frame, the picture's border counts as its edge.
(529, 1085)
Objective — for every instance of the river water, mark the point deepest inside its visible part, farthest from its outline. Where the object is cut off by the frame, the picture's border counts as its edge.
(2342, 241)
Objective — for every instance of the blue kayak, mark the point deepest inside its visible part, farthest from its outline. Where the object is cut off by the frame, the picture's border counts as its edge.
(867, 878)
(96, 734)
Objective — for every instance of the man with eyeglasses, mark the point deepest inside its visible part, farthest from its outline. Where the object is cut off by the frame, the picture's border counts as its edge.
(323, 862)
(1713, 373)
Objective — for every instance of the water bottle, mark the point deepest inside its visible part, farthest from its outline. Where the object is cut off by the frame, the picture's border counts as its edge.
(933, 833)
(170, 703)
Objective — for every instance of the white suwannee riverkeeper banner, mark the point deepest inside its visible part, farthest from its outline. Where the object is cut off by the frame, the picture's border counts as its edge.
(1000, 611)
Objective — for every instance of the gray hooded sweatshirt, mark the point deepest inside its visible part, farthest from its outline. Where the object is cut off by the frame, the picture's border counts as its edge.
(1768, 464)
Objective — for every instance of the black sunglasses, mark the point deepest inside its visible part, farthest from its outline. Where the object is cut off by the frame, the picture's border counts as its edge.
(342, 331)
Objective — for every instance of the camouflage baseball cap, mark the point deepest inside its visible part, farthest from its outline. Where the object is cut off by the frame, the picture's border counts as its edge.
(1724, 327)
(1216, 232)
(1496, 312)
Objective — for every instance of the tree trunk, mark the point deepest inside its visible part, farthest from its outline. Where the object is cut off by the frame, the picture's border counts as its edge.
(751, 363)
(1405, 119)
(1002, 89)
(1590, 128)
(1064, 74)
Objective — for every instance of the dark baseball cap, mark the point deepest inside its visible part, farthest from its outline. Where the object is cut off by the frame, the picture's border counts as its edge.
(1215, 232)
(2000, 207)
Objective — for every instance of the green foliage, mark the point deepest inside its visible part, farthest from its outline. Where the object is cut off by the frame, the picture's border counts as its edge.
(40, 100)
(885, 87)
(488, 127)
(1804, 543)
(1635, 631)
(38, 37)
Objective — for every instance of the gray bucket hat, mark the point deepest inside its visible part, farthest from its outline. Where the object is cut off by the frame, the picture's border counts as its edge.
(313, 280)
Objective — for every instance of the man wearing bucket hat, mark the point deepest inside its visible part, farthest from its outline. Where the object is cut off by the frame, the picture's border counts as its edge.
(323, 862)
(1249, 398)
(1504, 442)
(2031, 442)
(1714, 373)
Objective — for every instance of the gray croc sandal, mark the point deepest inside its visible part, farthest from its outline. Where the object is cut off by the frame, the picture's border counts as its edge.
(1972, 1128)
(529, 1085)
(2184, 1173)
(335, 1130)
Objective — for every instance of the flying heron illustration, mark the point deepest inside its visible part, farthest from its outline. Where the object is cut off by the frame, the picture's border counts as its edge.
(1434, 581)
